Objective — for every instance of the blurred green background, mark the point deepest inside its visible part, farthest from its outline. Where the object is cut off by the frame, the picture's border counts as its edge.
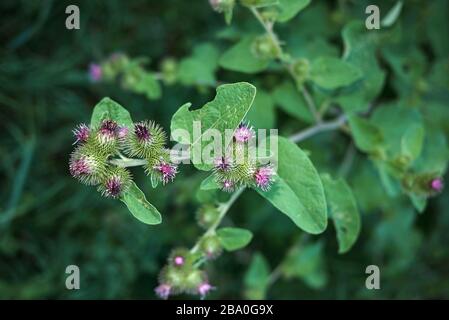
(49, 221)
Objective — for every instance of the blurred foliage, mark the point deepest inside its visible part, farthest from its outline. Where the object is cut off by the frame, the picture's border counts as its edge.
(48, 221)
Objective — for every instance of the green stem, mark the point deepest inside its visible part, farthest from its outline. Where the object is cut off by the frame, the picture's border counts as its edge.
(127, 162)
(224, 208)
(269, 30)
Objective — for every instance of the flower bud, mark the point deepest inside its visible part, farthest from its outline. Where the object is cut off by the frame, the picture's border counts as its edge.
(244, 133)
(105, 137)
(180, 257)
(204, 288)
(86, 165)
(147, 139)
(169, 69)
(301, 69)
(211, 247)
(81, 133)
(207, 215)
(437, 185)
(95, 72)
(163, 291)
(117, 181)
(221, 5)
(263, 177)
(165, 171)
(263, 47)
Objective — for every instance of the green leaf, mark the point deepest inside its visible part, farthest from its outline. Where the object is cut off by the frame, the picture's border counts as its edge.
(332, 73)
(259, 3)
(210, 183)
(262, 114)
(290, 8)
(140, 208)
(307, 263)
(292, 102)
(241, 58)
(256, 278)
(109, 109)
(367, 136)
(298, 191)
(392, 15)
(343, 211)
(225, 112)
(234, 238)
(200, 67)
(412, 141)
(360, 51)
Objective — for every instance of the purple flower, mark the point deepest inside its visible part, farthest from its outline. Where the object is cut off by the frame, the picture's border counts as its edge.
(122, 132)
(437, 184)
(263, 177)
(204, 288)
(227, 185)
(95, 72)
(179, 260)
(167, 171)
(142, 132)
(243, 133)
(113, 187)
(222, 164)
(163, 291)
(81, 166)
(107, 131)
(81, 133)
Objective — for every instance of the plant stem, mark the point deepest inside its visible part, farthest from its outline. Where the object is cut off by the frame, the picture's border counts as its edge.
(320, 127)
(127, 162)
(224, 208)
(269, 30)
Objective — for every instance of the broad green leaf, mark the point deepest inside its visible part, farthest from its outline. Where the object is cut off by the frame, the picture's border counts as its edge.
(290, 8)
(343, 211)
(412, 141)
(109, 109)
(256, 278)
(240, 57)
(367, 136)
(259, 3)
(262, 114)
(392, 15)
(209, 183)
(360, 51)
(140, 208)
(234, 238)
(307, 263)
(394, 120)
(225, 112)
(332, 73)
(435, 153)
(298, 191)
(292, 102)
(200, 67)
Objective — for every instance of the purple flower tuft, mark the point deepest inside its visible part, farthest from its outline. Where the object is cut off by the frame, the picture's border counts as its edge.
(95, 72)
(204, 288)
(227, 185)
(81, 133)
(113, 187)
(122, 132)
(179, 260)
(167, 170)
(243, 133)
(81, 166)
(163, 291)
(264, 177)
(142, 132)
(222, 164)
(437, 184)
